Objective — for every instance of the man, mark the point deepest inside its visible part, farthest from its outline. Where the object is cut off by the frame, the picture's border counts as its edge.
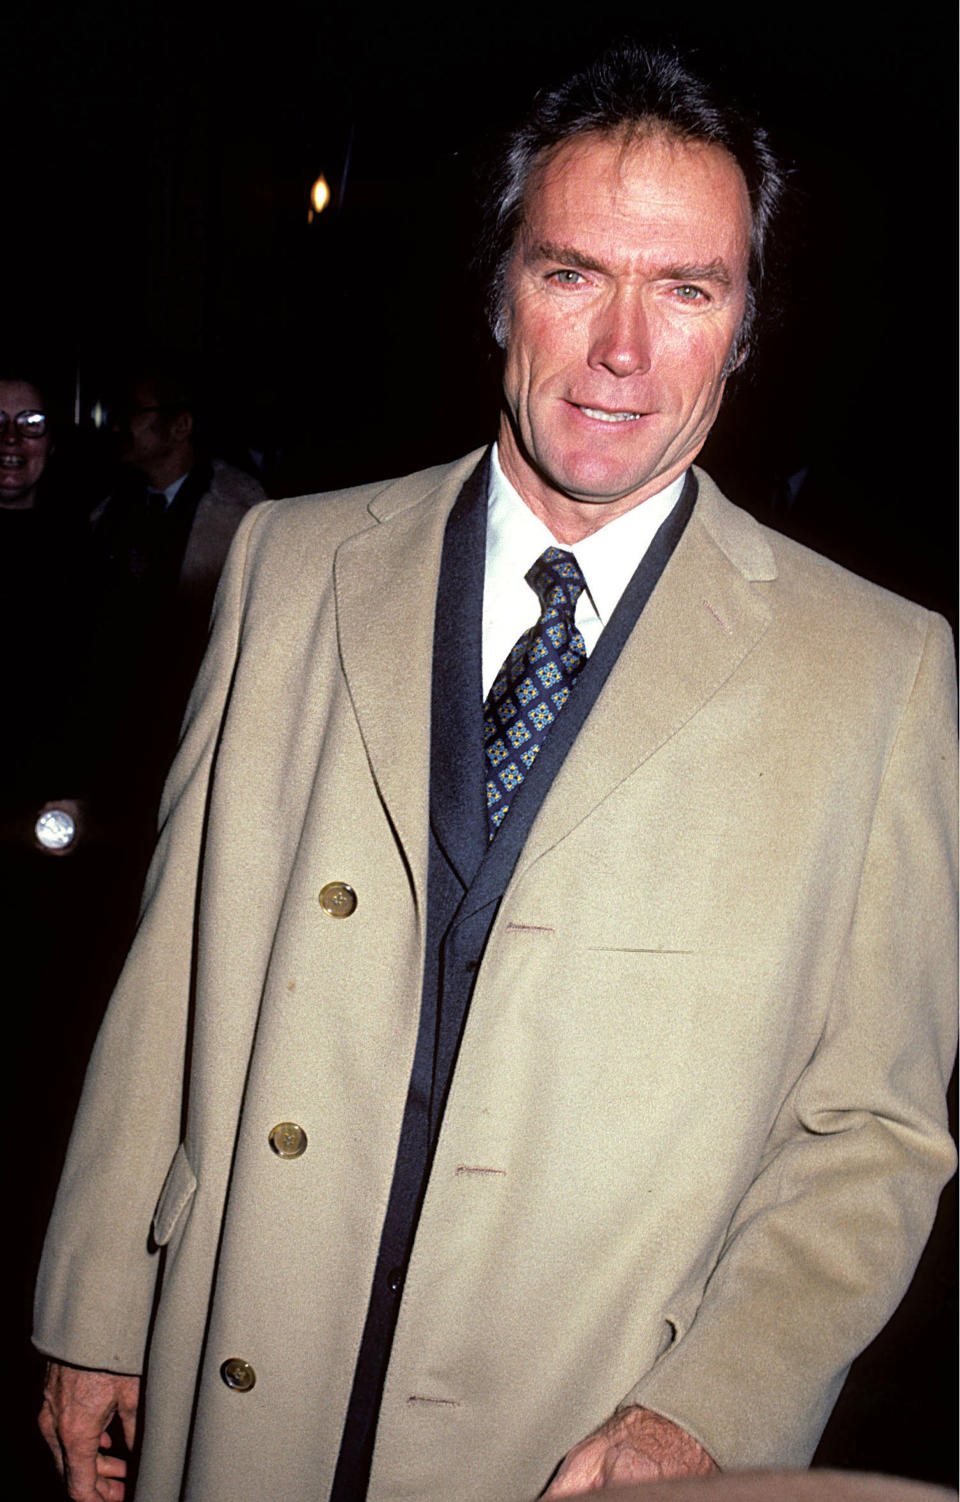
(159, 543)
(563, 1092)
(199, 501)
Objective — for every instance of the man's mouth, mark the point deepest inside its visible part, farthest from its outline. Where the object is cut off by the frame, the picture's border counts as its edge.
(601, 416)
(12, 461)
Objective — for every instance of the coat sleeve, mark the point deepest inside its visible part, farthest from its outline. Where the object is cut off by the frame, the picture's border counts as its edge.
(97, 1274)
(826, 1239)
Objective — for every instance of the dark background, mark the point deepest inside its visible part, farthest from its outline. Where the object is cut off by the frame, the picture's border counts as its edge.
(157, 164)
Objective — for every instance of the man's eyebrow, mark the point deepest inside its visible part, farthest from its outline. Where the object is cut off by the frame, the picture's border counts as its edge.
(547, 250)
(713, 271)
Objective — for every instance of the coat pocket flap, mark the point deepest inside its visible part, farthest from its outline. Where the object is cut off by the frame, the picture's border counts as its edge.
(177, 1192)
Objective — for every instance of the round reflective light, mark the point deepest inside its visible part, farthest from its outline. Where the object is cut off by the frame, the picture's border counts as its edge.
(55, 829)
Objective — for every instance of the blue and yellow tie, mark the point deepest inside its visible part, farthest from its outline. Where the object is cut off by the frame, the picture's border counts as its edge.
(535, 681)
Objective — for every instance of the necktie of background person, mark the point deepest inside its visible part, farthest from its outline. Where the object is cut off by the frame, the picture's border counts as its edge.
(534, 683)
(147, 538)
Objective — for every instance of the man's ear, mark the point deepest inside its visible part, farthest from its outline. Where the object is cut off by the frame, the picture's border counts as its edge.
(731, 366)
(500, 329)
(182, 426)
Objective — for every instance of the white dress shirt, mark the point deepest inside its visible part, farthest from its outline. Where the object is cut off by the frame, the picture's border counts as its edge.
(607, 560)
(171, 490)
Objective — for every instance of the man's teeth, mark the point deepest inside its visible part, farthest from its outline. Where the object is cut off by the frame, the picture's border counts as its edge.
(10, 461)
(609, 416)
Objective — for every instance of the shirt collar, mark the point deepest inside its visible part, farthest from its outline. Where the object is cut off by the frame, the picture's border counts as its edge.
(170, 491)
(607, 558)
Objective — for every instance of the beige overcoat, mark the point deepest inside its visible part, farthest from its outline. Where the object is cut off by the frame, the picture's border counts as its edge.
(696, 1134)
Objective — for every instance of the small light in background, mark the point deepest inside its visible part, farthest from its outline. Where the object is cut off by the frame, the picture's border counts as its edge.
(319, 198)
(55, 830)
(97, 415)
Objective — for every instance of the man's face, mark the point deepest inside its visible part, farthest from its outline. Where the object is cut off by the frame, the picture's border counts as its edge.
(22, 457)
(145, 432)
(626, 290)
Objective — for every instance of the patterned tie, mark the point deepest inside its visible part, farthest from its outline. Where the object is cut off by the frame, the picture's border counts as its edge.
(535, 681)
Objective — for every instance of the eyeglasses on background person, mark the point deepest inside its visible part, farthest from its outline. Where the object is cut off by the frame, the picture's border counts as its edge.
(29, 424)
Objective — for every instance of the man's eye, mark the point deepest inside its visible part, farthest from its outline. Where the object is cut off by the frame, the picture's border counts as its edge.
(567, 277)
(690, 294)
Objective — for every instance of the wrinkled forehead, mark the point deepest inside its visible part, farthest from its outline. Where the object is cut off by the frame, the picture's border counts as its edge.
(617, 159)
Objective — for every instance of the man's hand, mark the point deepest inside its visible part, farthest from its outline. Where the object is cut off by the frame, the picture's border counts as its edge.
(77, 1407)
(635, 1445)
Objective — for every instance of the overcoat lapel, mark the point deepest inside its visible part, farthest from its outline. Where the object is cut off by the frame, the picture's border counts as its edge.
(705, 615)
(385, 580)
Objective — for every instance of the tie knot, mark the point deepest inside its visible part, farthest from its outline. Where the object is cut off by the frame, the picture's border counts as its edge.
(557, 580)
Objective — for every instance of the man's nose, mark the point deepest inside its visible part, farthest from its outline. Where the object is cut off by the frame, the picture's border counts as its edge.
(10, 436)
(621, 335)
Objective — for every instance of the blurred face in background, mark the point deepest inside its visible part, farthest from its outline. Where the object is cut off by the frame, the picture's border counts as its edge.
(148, 433)
(24, 443)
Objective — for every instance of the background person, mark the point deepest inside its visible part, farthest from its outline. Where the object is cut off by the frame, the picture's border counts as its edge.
(196, 500)
(46, 618)
(62, 905)
(160, 540)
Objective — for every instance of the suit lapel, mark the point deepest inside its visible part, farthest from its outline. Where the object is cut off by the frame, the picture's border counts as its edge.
(457, 767)
(385, 581)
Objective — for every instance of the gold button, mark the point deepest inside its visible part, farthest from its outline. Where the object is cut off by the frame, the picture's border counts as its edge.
(288, 1140)
(238, 1375)
(337, 899)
